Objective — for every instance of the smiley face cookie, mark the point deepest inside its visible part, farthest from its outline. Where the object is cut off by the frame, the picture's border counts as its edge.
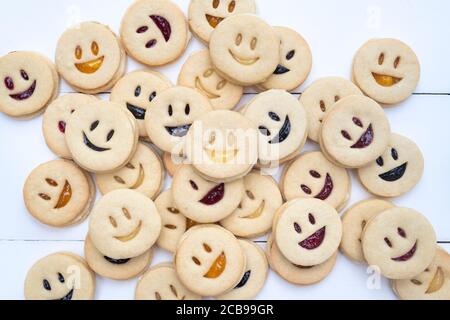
(209, 260)
(144, 173)
(154, 32)
(222, 145)
(432, 284)
(313, 176)
(245, 49)
(295, 64)
(101, 136)
(174, 223)
(55, 120)
(161, 283)
(297, 274)
(205, 15)
(60, 276)
(307, 231)
(255, 212)
(124, 224)
(29, 82)
(355, 132)
(171, 114)
(136, 90)
(173, 162)
(282, 126)
(199, 73)
(117, 269)
(320, 97)
(354, 221)
(204, 201)
(254, 277)
(89, 57)
(400, 241)
(58, 193)
(387, 70)
(397, 171)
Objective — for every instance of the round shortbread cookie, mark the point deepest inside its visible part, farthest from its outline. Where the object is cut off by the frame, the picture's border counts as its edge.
(209, 260)
(400, 242)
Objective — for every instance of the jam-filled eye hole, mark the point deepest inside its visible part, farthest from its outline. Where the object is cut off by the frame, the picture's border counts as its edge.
(9, 83)
(311, 219)
(238, 40)
(142, 29)
(113, 222)
(396, 62)
(126, 213)
(46, 285)
(380, 161)
(394, 154)
(187, 109)
(253, 43)
(110, 135)
(264, 131)
(61, 278)
(322, 106)
(24, 75)
(306, 189)
(388, 242)
(193, 185)
(78, 52)
(274, 116)
(381, 59)
(290, 55)
(94, 48)
(94, 125)
(346, 135)
(170, 110)
(152, 96)
(232, 6)
(208, 73)
(297, 228)
(357, 122)
(207, 248)
(315, 174)
(215, 4)
(137, 91)
(196, 261)
(337, 98)
(401, 232)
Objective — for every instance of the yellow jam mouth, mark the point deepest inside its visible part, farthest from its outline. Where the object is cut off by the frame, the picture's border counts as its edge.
(213, 21)
(131, 235)
(385, 80)
(91, 66)
(222, 156)
(257, 213)
(244, 61)
(217, 268)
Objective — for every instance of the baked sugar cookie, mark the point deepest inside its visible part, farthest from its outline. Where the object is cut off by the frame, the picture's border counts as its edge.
(320, 97)
(29, 83)
(89, 57)
(161, 283)
(297, 274)
(355, 132)
(400, 241)
(173, 162)
(101, 136)
(60, 276)
(174, 223)
(171, 114)
(245, 49)
(117, 269)
(205, 15)
(124, 224)
(432, 284)
(387, 70)
(55, 120)
(204, 201)
(282, 125)
(307, 231)
(354, 221)
(58, 193)
(295, 64)
(222, 145)
(199, 73)
(154, 32)
(209, 260)
(254, 277)
(136, 90)
(144, 173)
(312, 176)
(255, 213)
(397, 171)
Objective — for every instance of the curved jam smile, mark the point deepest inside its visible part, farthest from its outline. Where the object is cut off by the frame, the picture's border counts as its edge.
(407, 255)
(213, 20)
(133, 234)
(91, 66)
(386, 80)
(24, 94)
(199, 85)
(244, 61)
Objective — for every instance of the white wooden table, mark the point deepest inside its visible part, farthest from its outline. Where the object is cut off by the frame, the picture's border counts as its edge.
(334, 29)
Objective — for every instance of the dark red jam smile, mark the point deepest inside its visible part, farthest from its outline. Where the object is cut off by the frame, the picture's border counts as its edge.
(163, 26)
(407, 255)
(215, 195)
(365, 140)
(327, 188)
(314, 240)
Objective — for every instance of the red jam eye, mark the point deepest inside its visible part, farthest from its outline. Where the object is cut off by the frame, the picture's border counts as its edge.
(9, 83)
(78, 52)
(311, 219)
(62, 126)
(142, 29)
(306, 189)
(401, 232)
(388, 242)
(297, 227)
(357, 122)
(193, 185)
(24, 75)
(232, 6)
(216, 4)
(315, 174)
(94, 48)
(346, 135)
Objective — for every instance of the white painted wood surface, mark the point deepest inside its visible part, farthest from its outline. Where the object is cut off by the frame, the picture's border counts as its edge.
(334, 29)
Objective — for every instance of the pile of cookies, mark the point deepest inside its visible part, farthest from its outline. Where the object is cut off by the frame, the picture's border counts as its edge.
(221, 193)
